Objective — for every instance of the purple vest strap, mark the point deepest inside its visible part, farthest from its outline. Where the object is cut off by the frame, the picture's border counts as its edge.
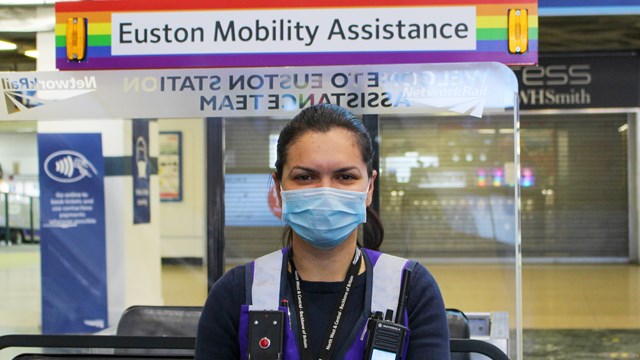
(373, 256)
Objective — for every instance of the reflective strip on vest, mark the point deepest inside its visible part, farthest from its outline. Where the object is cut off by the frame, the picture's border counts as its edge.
(387, 278)
(265, 290)
(267, 272)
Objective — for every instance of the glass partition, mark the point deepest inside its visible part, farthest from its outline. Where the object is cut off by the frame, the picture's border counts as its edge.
(449, 173)
(449, 199)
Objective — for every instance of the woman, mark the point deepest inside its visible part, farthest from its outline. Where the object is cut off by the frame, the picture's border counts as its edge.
(324, 283)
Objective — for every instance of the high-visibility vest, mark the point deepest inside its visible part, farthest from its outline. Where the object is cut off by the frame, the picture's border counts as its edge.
(266, 285)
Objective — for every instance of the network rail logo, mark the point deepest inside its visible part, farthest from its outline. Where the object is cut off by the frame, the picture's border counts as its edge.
(30, 92)
(68, 166)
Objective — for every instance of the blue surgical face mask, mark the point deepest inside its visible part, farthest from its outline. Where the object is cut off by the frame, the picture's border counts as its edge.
(324, 217)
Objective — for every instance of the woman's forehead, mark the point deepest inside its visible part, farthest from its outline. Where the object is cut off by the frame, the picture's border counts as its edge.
(337, 144)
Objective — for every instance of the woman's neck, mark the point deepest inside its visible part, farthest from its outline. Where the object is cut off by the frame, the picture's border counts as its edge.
(323, 265)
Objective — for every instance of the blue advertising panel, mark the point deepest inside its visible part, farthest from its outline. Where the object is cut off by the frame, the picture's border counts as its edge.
(251, 200)
(72, 235)
(141, 172)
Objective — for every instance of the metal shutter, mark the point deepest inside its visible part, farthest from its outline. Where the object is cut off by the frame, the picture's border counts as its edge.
(451, 197)
(251, 229)
(579, 206)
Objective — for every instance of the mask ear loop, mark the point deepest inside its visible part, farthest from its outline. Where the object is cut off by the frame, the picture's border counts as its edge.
(367, 197)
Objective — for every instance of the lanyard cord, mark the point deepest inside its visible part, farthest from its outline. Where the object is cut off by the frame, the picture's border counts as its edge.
(301, 305)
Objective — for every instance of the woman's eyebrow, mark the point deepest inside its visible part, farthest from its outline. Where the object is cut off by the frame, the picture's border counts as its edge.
(346, 169)
(314, 171)
(305, 169)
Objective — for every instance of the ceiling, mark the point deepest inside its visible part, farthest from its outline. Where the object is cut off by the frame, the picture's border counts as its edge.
(589, 33)
(556, 34)
(15, 60)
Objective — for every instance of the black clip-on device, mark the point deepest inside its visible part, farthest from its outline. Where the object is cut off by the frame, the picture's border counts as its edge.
(266, 335)
(387, 337)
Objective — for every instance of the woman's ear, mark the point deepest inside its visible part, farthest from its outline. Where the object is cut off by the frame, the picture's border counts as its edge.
(277, 186)
(372, 181)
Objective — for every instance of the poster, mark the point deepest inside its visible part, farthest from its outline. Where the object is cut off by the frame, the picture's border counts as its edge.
(170, 166)
(72, 235)
(141, 172)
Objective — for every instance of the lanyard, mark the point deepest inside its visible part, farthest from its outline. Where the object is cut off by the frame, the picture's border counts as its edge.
(328, 345)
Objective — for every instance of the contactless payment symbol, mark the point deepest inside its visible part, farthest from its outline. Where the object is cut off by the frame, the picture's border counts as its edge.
(68, 166)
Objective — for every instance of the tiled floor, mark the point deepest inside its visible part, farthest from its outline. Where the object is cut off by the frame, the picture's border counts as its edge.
(604, 296)
(555, 297)
(19, 290)
(581, 344)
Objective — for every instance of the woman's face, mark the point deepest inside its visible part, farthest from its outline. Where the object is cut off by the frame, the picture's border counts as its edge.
(330, 159)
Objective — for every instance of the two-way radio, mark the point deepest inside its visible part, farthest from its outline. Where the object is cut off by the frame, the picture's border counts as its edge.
(386, 336)
(266, 335)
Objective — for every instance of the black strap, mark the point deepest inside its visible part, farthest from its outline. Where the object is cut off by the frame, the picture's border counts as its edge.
(329, 342)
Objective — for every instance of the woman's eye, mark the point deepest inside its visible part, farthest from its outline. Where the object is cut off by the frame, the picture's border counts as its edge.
(303, 177)
(346, 177)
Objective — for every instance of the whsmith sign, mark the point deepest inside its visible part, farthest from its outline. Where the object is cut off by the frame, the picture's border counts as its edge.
(579, 81)
(177, 34)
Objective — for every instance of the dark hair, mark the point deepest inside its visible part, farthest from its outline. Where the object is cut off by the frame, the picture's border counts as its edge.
(322, 118)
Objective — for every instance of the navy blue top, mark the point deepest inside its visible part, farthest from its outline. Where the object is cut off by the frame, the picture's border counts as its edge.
(218, 328)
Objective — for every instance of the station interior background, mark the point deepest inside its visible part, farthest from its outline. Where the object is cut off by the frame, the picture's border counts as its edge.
(581, 281)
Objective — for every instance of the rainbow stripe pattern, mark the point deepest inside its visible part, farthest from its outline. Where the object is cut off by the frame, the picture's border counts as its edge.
(491, 35)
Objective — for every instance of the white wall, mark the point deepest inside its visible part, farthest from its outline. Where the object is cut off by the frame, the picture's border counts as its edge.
(46, 44)
(183, 224)
(20, 148)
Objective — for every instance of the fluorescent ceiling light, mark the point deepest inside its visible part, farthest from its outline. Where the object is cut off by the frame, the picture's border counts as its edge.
(5, 45)
(32, 53)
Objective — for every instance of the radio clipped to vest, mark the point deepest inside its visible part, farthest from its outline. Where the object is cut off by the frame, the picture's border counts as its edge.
(266, 335)
(387, 337)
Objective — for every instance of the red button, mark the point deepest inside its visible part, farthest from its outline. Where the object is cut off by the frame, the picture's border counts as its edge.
(265, 343)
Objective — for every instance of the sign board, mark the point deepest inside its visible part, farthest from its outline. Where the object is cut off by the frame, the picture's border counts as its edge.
(139, 34)
(578, 81)
(72, 234)
(141, 165)
(461, 88)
